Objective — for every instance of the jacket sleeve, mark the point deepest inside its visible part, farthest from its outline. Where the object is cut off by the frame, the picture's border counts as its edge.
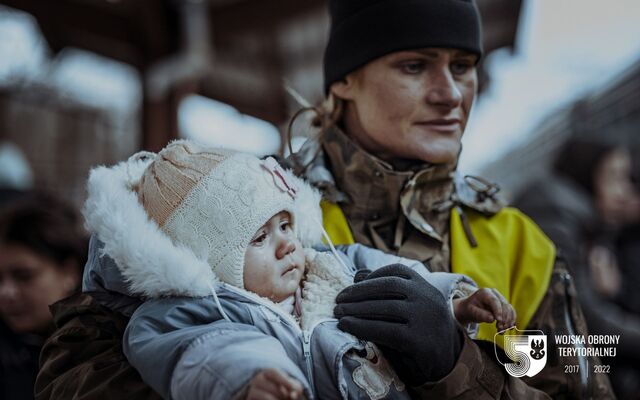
(185, 350)
(449, 284)
(83, 359)
(561, 313)
(561, 310)
(477, 376)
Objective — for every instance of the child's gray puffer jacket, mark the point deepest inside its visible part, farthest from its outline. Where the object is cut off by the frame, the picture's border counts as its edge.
(197, 338)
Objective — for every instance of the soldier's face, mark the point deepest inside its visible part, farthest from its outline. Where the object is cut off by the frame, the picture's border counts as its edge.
(411, 104)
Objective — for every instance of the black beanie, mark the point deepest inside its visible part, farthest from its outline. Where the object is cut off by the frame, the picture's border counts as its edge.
(363, 30)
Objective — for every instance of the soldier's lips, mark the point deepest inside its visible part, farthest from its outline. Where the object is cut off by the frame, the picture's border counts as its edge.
(444, 125)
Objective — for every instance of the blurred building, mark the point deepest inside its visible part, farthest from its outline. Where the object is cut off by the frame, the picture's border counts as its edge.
(238, 52)
(62, 139)
(609, 114)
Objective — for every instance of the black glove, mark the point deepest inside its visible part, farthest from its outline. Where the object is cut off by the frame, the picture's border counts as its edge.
(408, 318)
(361, 275)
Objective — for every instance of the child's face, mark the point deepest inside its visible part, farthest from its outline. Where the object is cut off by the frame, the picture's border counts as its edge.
(274, 261)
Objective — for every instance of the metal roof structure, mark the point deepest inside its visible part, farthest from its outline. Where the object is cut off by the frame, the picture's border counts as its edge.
(236, 51)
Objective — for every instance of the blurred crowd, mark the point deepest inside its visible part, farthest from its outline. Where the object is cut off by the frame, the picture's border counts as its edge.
(589, 205)
(43, 248)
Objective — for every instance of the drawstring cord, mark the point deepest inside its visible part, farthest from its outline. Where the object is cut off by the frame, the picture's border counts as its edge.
(326, 237)
(215, 297)
(467, 228)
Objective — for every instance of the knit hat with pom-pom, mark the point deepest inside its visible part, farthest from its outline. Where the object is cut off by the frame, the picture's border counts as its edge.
(213, 201)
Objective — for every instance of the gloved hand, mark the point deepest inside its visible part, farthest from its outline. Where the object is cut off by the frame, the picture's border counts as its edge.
(408, 318)
(361, 275)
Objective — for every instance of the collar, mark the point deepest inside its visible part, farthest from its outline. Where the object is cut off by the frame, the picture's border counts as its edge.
(368, 188)
(293, 304)
(379, 191)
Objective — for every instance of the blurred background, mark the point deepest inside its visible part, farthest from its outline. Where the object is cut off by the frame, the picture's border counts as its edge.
(86, 82)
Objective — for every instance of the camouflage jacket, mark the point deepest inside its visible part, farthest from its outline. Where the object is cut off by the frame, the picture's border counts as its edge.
(83, 358)
(384, 211)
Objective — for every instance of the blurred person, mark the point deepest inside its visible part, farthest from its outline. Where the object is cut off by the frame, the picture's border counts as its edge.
(582, 205)
(42, 251)
(628, 248)
(627, 375)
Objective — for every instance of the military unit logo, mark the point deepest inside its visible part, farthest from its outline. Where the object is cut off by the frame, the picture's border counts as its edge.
(527, 350)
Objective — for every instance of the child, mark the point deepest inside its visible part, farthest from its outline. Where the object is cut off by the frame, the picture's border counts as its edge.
(237, 304)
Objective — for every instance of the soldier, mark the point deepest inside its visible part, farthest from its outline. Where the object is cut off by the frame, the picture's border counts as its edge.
(400, 79)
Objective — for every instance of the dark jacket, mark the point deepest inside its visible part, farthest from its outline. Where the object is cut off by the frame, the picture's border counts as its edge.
(83, 358)
(373, 196)
(18, 363)
(628, 251)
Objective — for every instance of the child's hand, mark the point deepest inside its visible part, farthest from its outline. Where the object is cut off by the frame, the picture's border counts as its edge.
(273, 384)
(485, 305)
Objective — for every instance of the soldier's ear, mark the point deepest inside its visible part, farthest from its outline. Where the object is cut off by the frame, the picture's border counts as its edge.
(345, 88)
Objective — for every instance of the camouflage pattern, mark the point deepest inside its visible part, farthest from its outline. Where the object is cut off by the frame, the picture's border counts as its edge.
(370, 193)
(83, 358)
(476, 376)
(560, 313)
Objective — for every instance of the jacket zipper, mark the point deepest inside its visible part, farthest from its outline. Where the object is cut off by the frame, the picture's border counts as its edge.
(306, 346)
(288, 318)
(306, 334)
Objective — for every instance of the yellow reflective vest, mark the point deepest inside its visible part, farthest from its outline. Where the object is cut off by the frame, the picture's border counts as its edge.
(513, 255)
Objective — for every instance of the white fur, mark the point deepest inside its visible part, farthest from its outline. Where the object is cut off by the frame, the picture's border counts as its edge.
(325, 279)
(308, 227)
(151, 263)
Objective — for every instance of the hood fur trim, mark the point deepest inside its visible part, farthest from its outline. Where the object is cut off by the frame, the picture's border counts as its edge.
(151, 263)
(153, 266)
(308, 214)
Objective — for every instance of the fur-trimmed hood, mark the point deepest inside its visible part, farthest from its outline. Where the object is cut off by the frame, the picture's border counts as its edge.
(149, 262)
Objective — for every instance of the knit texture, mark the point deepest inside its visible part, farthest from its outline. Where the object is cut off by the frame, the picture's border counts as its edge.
(223, 212)
(176, 170)
(211, 201)
(363, 30)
